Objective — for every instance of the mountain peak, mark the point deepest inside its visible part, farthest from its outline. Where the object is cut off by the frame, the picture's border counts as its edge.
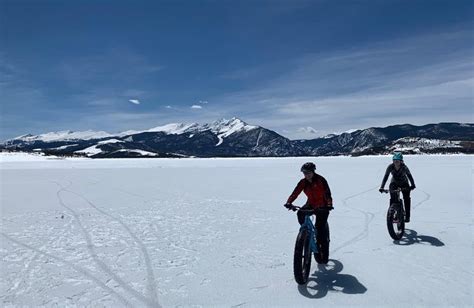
(174, 128)
(222, 126)
(226, 122)
(228, 126)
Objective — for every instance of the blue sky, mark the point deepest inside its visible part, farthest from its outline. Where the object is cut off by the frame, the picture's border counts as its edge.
(301, 68)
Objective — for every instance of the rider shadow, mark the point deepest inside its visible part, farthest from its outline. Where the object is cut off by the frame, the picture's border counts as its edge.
(412, 237)
(328, 278)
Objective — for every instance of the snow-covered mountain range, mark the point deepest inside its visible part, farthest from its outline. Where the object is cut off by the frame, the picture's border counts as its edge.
(235, 138)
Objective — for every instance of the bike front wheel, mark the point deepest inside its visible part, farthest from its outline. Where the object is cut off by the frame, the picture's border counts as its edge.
(302, 257)
(395, 221)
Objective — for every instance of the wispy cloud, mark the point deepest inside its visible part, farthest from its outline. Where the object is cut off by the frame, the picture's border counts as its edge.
(133, 93)
(244, 73)
(18, 92)
(114, 67)
(379, 84)
(134, 101)
(308, 130)
(196, 107)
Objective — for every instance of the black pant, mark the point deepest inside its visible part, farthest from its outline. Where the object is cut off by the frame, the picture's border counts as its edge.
(320, 225)
(405, 193)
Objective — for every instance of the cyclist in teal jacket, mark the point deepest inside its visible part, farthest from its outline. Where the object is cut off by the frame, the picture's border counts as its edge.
(400, 177)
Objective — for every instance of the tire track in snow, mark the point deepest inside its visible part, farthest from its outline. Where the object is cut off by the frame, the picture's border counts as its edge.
(368, 217)
(79, 269)
(427, 197)
(151, 282)
(93, 253)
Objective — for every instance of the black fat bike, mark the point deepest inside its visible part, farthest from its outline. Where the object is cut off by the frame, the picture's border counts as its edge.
(396, 215)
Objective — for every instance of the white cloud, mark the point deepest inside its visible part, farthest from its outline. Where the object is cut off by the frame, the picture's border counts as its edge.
(168, 107)
(203, 102)
(196, 107)
(308, 130)
(134, 101)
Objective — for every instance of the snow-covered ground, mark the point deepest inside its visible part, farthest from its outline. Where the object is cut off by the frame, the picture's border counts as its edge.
(214, 233)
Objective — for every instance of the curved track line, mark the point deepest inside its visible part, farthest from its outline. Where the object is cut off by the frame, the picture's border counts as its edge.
(368, 216)
(427, 197)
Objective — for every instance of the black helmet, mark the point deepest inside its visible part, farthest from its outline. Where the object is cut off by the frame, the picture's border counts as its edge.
(308, 167)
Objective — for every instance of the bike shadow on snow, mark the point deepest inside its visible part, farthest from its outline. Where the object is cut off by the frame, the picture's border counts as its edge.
(328, 278)
(412, 237)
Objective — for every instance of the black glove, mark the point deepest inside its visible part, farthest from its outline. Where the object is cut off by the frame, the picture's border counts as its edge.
(289, 206)
(412, 187)
(381, 190)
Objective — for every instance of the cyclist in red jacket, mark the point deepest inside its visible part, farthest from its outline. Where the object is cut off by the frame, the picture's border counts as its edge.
(317, 190)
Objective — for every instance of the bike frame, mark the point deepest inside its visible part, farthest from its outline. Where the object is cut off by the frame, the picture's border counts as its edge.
(308, 225)
(399, 200)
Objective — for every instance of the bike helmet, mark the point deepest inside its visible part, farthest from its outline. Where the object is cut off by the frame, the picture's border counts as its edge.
(397, 156)
(308, 167)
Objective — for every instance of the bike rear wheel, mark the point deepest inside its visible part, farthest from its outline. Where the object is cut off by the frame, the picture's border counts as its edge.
(322, 256)
(302, 257)
(395, 221)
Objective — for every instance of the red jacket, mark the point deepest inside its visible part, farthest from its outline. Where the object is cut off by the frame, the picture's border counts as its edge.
(317, 191)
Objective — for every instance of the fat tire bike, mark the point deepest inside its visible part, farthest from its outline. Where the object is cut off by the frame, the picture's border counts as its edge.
(306, 245)
(396, 215)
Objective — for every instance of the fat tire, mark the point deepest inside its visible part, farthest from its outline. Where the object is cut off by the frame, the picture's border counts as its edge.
(395, 234)
(302, 258)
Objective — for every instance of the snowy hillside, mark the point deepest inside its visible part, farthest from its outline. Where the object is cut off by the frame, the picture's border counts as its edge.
(223, 128)
(64, 136)
(214, 233)
(422, 145)
(235, 138)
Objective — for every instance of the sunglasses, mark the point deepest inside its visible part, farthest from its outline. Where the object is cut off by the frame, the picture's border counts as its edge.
(307, 172)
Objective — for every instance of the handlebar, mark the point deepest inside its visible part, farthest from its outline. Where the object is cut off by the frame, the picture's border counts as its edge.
(320, 209)
(395, 190)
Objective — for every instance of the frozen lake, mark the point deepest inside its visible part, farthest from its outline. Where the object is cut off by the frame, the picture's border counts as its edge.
(213, 232)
